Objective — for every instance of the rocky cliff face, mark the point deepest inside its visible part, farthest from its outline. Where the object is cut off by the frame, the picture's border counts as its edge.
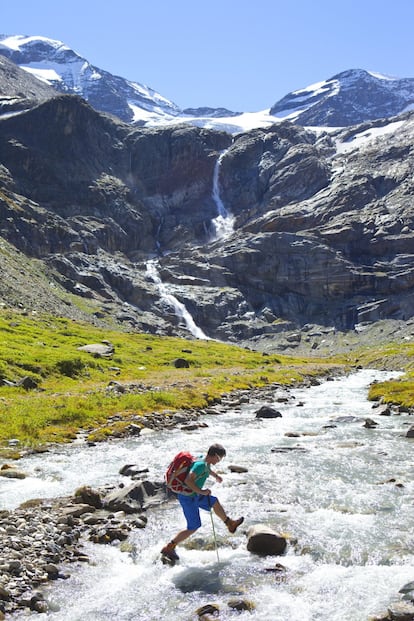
(321, 223)
(102, 185)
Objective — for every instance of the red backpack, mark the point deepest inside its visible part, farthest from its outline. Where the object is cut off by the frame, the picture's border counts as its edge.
(177, 472)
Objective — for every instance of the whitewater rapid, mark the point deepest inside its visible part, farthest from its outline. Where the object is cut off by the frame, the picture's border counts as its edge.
(316, 474)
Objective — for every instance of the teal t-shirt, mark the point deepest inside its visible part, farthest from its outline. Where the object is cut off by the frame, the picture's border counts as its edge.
(201, 471)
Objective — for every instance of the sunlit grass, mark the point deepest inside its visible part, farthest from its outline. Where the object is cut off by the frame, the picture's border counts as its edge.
(396, 356)
(78, 391)
(74, 387)
(398, 392)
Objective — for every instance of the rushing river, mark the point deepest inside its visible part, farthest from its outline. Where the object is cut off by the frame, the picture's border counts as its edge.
(327, 486)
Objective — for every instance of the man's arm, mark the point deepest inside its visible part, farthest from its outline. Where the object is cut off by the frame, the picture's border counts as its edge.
(216, 476)
(190, 481)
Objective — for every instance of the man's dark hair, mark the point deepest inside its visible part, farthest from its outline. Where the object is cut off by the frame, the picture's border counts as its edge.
(216, 449)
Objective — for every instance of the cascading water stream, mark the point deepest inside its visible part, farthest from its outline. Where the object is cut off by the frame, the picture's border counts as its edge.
(224, 222)
(316, 473)
(223, 226)
(179, 308)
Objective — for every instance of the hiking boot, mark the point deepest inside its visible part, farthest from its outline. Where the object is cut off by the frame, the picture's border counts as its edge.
(233, 525)
(169, 551)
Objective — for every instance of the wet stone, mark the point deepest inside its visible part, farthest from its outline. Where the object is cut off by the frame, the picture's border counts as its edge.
(36, 541)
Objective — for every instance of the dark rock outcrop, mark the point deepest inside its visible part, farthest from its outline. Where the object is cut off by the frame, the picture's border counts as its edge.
(92, 183)
(322, 229)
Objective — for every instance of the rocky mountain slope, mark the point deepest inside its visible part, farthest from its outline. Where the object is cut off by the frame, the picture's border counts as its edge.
(65, 70)
(319, 226)
(347, 98)
(20, 90)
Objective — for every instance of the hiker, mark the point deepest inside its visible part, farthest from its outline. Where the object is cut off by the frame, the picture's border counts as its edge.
(200, 498)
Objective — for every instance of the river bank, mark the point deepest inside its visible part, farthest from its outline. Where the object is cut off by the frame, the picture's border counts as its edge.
(317, 472)
(41, 535)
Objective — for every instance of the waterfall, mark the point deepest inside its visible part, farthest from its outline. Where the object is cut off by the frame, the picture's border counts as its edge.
(179, 308)
(224, 222)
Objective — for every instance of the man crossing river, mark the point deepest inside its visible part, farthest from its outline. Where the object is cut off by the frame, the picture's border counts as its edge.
(200, 498)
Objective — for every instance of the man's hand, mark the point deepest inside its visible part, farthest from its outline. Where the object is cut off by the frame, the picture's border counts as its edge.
(206, 492)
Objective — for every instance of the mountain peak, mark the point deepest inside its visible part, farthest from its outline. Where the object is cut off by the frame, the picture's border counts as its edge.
(350, 97)
(353, 75)
(347, 98)
(55, 63)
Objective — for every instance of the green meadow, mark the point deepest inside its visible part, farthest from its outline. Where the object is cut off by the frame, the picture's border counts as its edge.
(70, 389)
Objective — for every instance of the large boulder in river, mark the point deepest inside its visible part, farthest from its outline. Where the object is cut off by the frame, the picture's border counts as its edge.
(268, 412)
(401, 611)
(263, 540)
(135, 497)
(10, 472)
(89, 496)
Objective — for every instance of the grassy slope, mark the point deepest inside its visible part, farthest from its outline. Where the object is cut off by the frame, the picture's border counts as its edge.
(72, 386)
(398, 356)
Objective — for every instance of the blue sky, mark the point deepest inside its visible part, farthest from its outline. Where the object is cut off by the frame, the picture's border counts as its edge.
(241, 54)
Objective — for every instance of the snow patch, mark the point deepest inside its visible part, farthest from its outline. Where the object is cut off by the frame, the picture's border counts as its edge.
(382, 76)
(318, 88)
(232, 124)
(45, 75)
(16, 42)
(150, 117)
(363, 138)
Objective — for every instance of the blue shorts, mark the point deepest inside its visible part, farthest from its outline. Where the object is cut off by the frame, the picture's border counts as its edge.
(191, 506)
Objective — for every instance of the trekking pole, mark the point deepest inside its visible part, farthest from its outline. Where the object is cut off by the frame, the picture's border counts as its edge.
(214, 531)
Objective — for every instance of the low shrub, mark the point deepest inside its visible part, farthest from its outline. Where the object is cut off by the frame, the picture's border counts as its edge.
(71, 367)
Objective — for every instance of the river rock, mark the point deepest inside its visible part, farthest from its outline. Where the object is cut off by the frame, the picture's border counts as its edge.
(207, 609)
(287, 449)
(10, 472)
(410, 432)
(132, 470)
(52, 571)
(89, 496)
(263, 540)
(383, 410)
(135, 497)
(346, 419)
(76, 510)
(382, 616)
(370, 423)
(238, 469)
(241, 604)
(407, 588)
(401, 611)
(109, 533)
(280, 572)
(268, 412)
